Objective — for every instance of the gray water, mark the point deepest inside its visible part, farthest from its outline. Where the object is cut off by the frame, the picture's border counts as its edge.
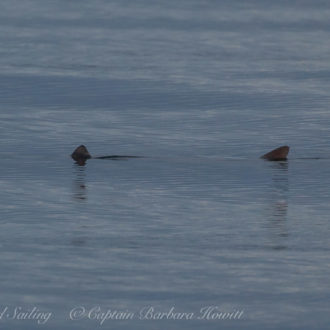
(201, 89)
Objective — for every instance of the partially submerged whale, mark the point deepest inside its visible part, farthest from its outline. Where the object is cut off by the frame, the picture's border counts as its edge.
(81, 154)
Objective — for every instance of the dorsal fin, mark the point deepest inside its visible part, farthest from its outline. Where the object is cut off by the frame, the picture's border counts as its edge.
(280, 153)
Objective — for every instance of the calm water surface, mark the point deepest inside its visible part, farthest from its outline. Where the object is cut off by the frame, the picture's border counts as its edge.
(201, 89)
